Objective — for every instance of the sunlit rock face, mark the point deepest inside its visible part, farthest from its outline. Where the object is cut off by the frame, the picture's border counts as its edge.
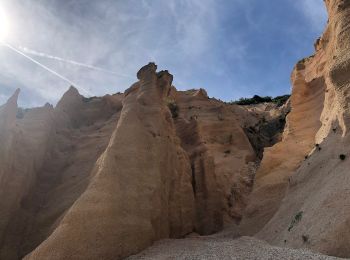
(300, 197)
(105, 177)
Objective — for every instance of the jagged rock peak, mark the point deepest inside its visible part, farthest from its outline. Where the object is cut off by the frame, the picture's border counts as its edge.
(150, 68)
(13, 99)
(150, 79)
(9, 110)
(10, 107)
(165, 74)
(165, 80)
(201, 93)
(73, 90)
(71, 96)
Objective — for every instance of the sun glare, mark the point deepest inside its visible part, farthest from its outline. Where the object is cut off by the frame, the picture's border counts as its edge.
(4, 25)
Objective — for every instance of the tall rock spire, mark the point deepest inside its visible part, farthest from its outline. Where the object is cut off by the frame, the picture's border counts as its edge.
(9, 110)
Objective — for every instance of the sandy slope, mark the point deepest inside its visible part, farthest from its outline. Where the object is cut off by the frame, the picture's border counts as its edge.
(212, 248)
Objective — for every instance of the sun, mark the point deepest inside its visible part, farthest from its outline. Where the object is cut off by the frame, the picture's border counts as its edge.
(4, 25)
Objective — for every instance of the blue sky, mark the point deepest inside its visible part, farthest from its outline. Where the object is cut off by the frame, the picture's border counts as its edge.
(232, 48)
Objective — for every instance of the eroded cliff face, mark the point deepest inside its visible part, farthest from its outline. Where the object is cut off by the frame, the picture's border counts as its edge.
(300, 197)
(154, 162)
(125, 169)
(46, 162)
(140, 189)
(105, 177)
(21, 157)
(211, 134)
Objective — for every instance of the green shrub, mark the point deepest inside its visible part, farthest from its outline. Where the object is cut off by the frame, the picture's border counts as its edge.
(173, 107)
(279, 100)
(296, 220)
(342, 157)
(305, 238)
(254, 100)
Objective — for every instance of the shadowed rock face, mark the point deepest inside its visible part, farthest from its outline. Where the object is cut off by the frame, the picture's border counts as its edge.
(105, 177)
(46, 166)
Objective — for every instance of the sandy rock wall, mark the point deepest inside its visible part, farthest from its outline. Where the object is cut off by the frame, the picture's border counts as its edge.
(39, 177)
(301, 196)
(281, 160)
(23, 149)
(215, 141)
(125, 169)
(67, 169)
(141, 189)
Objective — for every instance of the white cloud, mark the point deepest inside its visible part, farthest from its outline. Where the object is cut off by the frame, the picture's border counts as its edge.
(204, 43)
(117, 35)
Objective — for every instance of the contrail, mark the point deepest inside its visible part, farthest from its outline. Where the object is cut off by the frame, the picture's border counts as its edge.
(46, 68)
(48, 56)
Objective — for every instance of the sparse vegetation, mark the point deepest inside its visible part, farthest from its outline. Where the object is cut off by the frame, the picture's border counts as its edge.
(254, 100)
(318, 147)
(279, 100)
(342, 157)
(227, 152)
(296, 220)
(173, 107)
(191, 91)
(305, 238)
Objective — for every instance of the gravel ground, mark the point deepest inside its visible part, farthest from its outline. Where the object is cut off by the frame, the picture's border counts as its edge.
(221, 248)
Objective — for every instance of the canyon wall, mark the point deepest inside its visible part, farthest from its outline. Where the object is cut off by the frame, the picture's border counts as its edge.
(300, 197)
(46, 162)
(105, 177)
